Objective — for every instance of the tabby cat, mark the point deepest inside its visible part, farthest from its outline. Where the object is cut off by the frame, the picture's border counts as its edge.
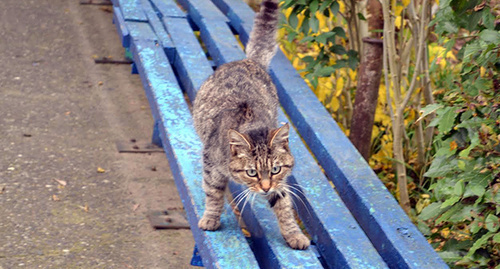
(235, 115)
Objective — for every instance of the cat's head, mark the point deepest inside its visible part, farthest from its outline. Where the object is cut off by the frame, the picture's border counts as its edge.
(261, 159)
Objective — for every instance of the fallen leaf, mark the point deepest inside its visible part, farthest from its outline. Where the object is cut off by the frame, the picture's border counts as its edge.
(100, 170)
(135, 207)
(61, 182)
(2, 189)
(85, 208)
(55, 198)
(100, 83)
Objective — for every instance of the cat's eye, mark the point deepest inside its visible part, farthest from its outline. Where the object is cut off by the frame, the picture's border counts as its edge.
(251, 172)
(275, 170)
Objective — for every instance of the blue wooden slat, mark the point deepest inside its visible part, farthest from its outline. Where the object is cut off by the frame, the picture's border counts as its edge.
(190, 61)
(267, 242)
(168, 8)
(340, 239)
(140, 31)
(120, 27)
(388, 227)
(390, 230)
(132, 11)
(220, 42)
(239, 14)
(226, 249)
(158, 28)
(203, 10)
(357, 251)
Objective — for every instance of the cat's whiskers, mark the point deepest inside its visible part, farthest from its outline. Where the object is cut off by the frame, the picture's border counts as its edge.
(286, 187)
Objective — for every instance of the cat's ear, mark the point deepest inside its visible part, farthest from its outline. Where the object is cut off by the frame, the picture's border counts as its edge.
(238, 140)
(279, 136)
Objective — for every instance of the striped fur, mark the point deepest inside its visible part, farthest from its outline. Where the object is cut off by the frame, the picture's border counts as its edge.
(235, 115)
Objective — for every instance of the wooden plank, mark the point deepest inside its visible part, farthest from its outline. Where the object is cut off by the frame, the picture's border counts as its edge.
(220, 42)
(325, 226)
(239, 14)
(226, 249)
(141, 31)
(265, 230)
(161, 33)
(389, 228)
(190, 60)
(168, 8)
(267, 242)
(120, 27)
(393, 234)
(339, 238)
(203, 10)
(132, 11)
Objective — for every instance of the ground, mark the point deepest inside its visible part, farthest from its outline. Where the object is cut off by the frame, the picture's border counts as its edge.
(68, 199)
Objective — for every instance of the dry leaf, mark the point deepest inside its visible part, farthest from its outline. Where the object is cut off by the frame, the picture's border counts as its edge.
(61, 182)
(100, 170)
(85, 208)
(55, 198)
(135, 207)
(100, 83)
(2, 189)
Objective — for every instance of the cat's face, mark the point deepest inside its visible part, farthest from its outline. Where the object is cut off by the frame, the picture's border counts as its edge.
(261, 159)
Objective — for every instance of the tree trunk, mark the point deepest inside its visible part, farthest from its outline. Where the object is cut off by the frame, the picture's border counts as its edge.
(369, 74)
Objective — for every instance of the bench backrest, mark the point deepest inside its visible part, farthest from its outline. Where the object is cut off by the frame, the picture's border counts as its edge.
(356, 224)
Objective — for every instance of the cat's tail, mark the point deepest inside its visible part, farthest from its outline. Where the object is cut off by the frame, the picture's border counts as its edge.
(262, 44)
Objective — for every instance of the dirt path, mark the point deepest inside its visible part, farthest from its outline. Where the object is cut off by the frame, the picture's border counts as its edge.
(60, 116)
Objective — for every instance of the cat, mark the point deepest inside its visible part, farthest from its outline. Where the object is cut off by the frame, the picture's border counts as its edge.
(235, 115)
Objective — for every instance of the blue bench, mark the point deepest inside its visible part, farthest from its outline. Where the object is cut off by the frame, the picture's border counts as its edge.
(356, 224)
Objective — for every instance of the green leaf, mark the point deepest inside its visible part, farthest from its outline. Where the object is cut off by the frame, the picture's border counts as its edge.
(361, 16)
(431, 211)
(428, 110)
(474, 143)
(450, 201)
(325, 71)
(471, 49)
(492, 223)
(479, 243)
(447, 119)
(334, 8)
(450, 256)
(496, 238)
(459, 188)
(293, 20)
(307, 59)
(448, 214)
(324, 5)
(338, 49)
(323, 38)
(490, 36)
(314, 24)
(339, 31)
(488, 19)
(313, 6)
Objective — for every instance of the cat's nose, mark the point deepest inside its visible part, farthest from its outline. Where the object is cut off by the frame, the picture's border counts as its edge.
(265, 185)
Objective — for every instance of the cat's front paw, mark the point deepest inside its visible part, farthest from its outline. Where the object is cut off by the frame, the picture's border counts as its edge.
(209, 224)
(298, 241)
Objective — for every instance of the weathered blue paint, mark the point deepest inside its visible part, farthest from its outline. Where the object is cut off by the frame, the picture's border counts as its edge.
(220, 42)
(156, 139)
(161, 33)
(339, 239)
(140, 31)
(190, 60)
(196, 259)
(120, 27)
(132, 10)
(240, 15)
(183, 148)
(268, 244)
(394, 236)
(168, 8)
(356, 183)
(115, 3)
(202, 10)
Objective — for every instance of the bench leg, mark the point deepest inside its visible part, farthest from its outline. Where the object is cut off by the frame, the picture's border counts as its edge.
(196, 260)
(156, 135)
